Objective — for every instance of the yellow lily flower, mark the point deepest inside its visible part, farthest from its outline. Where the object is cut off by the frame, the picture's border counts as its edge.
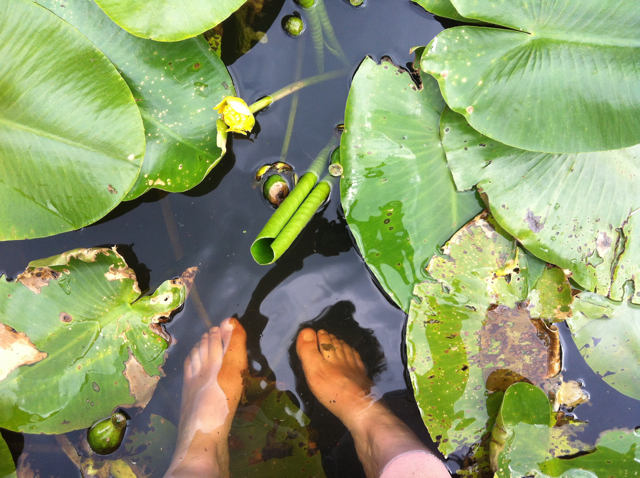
(236, 114)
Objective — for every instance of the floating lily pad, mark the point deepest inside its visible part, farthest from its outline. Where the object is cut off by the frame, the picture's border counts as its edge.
(562, 77)
(269, 438)
(444, 8)
(168, 20)
(566, 209)
(7, 466)
(176, 87)
(524, 417)
(71, 136)
(607, 335)
(397, 192)
(470, 333)
(79, 341)
(617, 454)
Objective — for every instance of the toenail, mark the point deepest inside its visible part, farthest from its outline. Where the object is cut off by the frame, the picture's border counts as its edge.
(228, 325)
(308, 335)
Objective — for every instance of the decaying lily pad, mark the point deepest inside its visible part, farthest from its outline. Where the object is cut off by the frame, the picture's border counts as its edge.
(471, 332)
(606, 333)
(77, 340)
(270, 435)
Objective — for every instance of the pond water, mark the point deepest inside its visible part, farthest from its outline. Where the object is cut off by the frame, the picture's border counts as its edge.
(213, 226)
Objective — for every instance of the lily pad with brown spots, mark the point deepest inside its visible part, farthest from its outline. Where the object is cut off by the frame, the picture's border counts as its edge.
(471, 333)
(77, 340)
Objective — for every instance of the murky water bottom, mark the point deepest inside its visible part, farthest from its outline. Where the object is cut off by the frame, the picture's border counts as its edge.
(213, 226)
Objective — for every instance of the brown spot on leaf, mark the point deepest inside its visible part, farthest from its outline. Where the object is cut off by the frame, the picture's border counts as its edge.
(64, 317)
(16, 350)
(112, 190)
(510, 341)
(159, 330)
(120, 273)
(141, 384)
(35, 279)
(188, 277)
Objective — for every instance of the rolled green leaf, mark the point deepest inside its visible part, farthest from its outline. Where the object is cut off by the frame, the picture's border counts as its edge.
(287, 223)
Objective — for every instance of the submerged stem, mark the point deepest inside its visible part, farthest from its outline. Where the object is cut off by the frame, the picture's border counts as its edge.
(294, 103)
(332, 42)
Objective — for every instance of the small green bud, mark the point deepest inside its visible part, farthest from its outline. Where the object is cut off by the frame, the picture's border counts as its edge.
(294, 26)
(105, 436)
(356, 3)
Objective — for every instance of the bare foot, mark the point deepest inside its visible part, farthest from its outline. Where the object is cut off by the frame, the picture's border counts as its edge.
(210, 394)
(335, 373)
(338, 379)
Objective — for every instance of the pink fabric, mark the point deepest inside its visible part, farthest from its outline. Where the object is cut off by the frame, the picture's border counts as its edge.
(415, 464)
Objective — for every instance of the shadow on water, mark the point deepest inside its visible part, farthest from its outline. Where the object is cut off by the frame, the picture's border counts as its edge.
(327, 238)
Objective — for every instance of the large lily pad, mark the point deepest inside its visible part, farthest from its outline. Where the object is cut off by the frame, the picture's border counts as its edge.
(562, 78)
(78, 340)
(566, 209)
(607, 334)
(176, 86)
(168, 20)
(397, 193)
(470, 333)
(71, 136)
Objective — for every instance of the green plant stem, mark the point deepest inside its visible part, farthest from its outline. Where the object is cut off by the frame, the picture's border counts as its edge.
(294, 103)
(315, 25)
(332, 42)
(293, 87)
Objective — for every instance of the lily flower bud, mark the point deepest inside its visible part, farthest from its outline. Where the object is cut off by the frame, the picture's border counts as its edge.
(236, 114)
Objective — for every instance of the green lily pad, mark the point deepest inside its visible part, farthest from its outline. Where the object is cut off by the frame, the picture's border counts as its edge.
(269, 438)
(176, 86)
(561, 78)
(71, 136)
(79, 340)
(7, 466)
(566, 209)
(470, 333)
(444, 8)
(397, 193)
(617, 454)
(168, 20)
(608, 337)
(524, 418)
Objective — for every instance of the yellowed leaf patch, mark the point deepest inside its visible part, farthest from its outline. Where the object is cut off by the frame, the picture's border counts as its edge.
(16, 350)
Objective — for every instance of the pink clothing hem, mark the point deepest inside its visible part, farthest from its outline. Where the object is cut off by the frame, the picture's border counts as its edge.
(415, 464)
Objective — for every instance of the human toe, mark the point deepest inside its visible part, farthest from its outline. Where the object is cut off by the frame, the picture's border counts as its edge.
(235, 343)
(307, 348)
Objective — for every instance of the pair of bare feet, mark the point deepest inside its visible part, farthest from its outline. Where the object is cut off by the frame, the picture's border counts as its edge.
(336, 376)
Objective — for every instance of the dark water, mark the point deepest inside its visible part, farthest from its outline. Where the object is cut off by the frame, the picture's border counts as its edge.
(213, 226)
